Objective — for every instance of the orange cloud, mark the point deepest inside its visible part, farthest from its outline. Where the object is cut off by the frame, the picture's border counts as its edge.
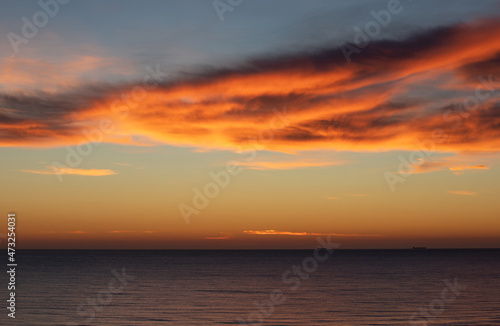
(274, 232)
(118, 232)
(457, 164)
(71, 232)
(461, 168)
(284, 165)
(430, 166)
(222, 236)
(293, 102)
(463, 193)
(84, 172)
(350, 195)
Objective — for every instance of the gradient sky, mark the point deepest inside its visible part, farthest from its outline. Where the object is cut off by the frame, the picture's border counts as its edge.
(114, 115)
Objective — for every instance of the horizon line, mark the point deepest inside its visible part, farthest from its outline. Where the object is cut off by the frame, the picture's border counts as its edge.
(275, 249)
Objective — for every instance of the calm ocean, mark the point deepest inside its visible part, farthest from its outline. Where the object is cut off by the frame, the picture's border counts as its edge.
(349, 287)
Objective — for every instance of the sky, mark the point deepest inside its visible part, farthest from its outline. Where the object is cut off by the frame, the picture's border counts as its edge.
(250, 124)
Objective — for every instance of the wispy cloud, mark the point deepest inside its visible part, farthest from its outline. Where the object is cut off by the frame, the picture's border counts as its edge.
(83, 172)
(118, 232)
(456, 164)
(28, 73)
(222, 236)
(274, 232)
(122, 164)
(460, 169)
(430, 166)
(285, 165)
(348, 195)
(70, 232)
(462, 192)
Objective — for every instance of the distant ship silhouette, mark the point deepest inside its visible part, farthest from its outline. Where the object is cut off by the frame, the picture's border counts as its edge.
(419, 248)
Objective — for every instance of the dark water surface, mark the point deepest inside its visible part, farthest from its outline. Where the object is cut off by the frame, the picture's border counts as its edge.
(350, 287)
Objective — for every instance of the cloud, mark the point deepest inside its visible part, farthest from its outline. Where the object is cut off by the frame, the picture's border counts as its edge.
(84, 172)
(350, 195)
(274, 232)
(459, 169)
(29, 73)
(119, 232)
(463, 193)
(284, 165)
(430, 166)
(71, 232)
(457, 163)
(122, 164)
(85, 232)
(393, 92)
(222, 236)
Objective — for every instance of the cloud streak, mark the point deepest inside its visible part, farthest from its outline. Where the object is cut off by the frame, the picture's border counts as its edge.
(462, 193)
(274, 232)
(455, 164)
(118, 232)
(82, 172)
(284, 165)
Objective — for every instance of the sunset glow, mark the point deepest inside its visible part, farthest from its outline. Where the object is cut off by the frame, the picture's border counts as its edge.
(261, 135)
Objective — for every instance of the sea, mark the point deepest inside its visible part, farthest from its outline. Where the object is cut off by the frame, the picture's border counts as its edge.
(255, 287)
